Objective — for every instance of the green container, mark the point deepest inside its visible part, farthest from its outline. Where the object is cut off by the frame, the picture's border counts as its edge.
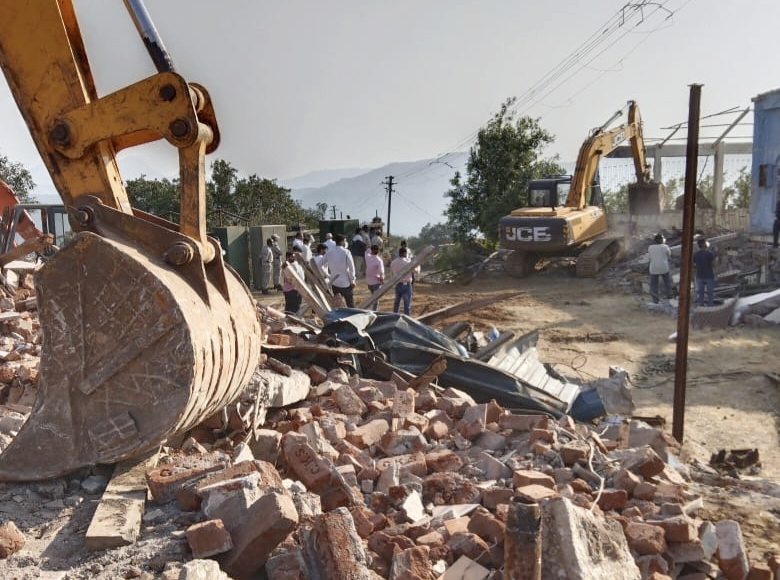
(235, 242)
(345, 227)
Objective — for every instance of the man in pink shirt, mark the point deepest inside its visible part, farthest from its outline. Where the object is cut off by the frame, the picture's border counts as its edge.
(375, 271)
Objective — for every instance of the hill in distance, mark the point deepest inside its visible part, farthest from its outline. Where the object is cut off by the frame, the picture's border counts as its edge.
(417, 199)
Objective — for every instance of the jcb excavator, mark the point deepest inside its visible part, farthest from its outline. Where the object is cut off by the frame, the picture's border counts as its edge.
(547, 227)
(145, 330)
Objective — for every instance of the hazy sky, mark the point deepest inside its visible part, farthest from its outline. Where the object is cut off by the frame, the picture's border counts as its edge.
(301, 85)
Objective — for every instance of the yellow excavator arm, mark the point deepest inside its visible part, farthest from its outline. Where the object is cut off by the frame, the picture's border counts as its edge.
(145, 331)
(601, 142)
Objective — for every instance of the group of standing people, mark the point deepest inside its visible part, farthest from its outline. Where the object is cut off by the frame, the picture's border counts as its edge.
(341, 265)
(660, 270)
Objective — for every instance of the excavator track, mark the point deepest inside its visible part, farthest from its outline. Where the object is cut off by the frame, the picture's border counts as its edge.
(598, 255)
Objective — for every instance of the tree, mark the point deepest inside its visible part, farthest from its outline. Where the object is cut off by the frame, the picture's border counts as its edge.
(157, 196)
(230, 199)
(738, 193)
(19, 178)
(433, 235)
(616, 201)
(506, 156)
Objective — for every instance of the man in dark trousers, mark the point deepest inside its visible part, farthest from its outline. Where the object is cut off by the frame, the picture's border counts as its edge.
(704, 259)
(776, 226)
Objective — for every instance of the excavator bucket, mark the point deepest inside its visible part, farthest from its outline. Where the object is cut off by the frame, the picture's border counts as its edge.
(131, 355)
(646, 198)
(146, 332)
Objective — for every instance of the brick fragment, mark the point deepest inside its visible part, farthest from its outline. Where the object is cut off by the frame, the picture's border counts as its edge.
(469, 545)
(473, 422)
(490, 440)
(732, 558)
(208, 538)
(492, 497)
(403, 441)
(369, 433)
(11, 539)
(645, 538)
(311, 469)
(164, 481)
(267, 523)
(625, 479)
(523, 477)
(189, 499)
(487, 526)
(535, 492)
(613, 499)
(760, 572)
(348, 401)
(491, 467)
(574, 452)
(317, 374)
(443, 460)
(265, 445)
(288, 564)
(413, 463)
(523, 422)
(385, 544)
(543, 435)
(678, 528)
(411, 564)
(437, 430)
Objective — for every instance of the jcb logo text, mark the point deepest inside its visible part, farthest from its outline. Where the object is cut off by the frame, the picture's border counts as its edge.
(529, 234)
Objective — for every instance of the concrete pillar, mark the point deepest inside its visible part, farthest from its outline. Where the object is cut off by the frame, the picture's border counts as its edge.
(657, 164)
(717, 180)
(523, 541)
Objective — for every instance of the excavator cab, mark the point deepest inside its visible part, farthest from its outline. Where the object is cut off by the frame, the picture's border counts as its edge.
(50, 219)
(145, 331)
(553, 191)
(549, 192)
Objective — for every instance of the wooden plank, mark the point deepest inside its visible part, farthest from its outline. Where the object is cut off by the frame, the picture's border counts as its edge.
(383, 289)
(467, 306)
(117, 519)
(311, 299)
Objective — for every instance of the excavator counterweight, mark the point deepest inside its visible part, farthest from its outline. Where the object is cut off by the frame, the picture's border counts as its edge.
(145, 330)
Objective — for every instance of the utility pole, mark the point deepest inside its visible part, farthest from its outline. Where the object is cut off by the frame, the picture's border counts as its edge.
(389, 184)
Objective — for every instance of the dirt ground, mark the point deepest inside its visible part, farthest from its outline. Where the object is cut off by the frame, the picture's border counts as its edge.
(588, 325)
(585, 326)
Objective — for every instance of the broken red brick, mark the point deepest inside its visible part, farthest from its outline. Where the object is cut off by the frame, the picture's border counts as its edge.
(266, 523)
(11, 539)
(523, 477)
(208, 538)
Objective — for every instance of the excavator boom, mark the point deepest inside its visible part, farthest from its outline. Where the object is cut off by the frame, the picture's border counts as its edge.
(145, 331)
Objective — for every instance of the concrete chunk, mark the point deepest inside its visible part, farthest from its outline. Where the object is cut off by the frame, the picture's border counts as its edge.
(578, 545)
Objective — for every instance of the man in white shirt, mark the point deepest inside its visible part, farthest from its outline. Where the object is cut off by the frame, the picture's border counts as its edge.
(375, 272)
(329, 241)
(342, 270)
(403, 289)
(660, 254)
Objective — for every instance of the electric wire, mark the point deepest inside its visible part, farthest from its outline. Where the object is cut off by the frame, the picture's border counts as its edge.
(613, 25)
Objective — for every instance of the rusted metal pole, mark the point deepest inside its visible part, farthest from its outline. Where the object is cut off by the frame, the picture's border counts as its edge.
(689, 210)
(523, 541)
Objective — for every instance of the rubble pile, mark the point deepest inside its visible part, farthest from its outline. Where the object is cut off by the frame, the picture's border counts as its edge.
(747, 278)
(370, 479)
(322, 472)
